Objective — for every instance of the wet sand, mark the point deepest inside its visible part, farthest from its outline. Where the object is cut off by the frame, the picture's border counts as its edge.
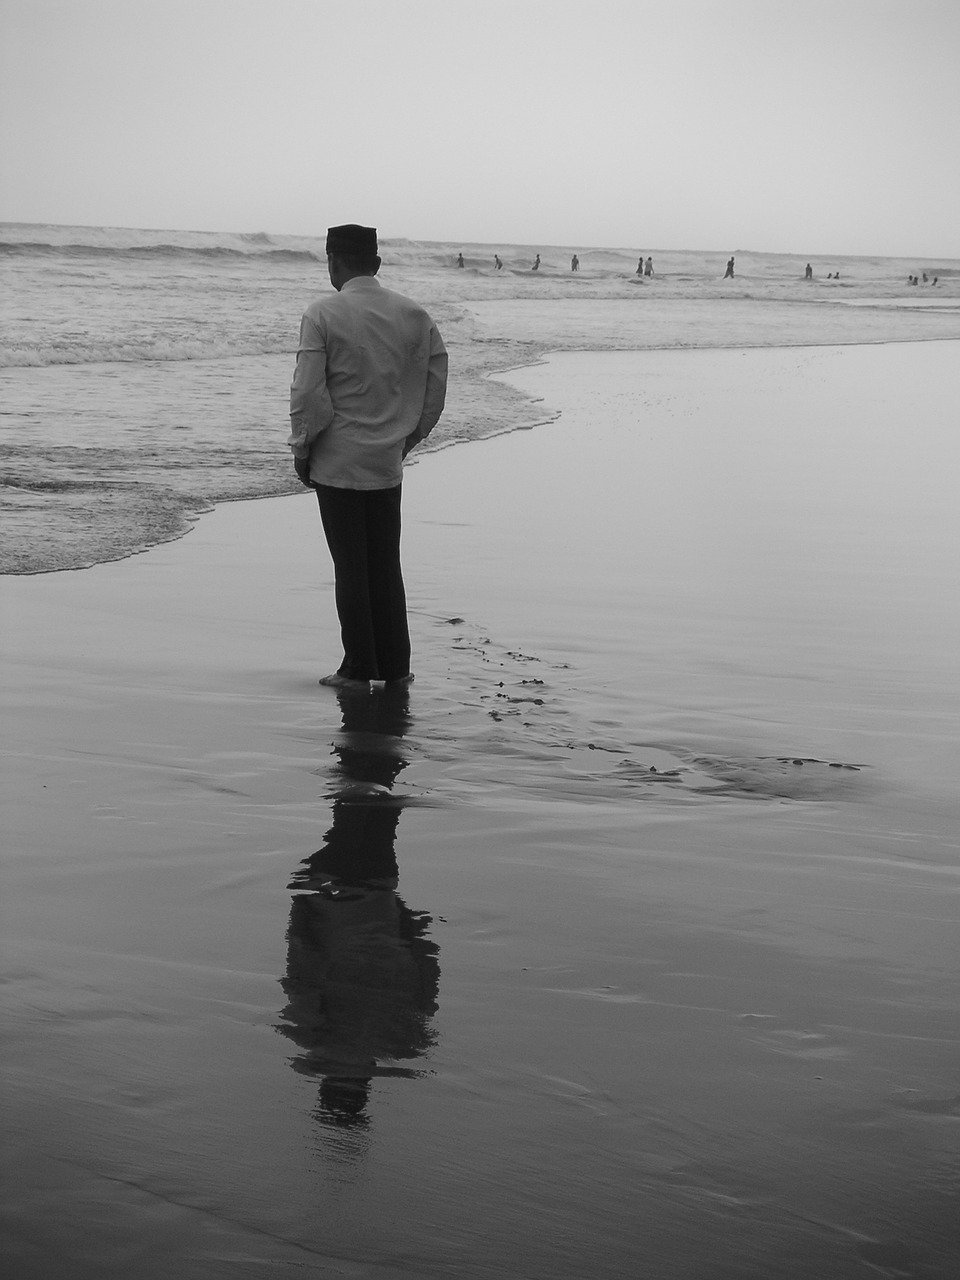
(625, 944)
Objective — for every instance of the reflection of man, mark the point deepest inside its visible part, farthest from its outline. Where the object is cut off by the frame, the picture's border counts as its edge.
(361, 985)
(362, 974)
(369, 385)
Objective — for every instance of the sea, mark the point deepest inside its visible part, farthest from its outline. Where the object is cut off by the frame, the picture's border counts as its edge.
(144, 374)
(144, 377)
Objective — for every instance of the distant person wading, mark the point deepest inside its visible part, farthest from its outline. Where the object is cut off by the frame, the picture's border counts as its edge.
(369, 385)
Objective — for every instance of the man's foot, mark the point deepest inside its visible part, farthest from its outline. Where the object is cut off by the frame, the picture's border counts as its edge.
(337, 681)
(400, 682)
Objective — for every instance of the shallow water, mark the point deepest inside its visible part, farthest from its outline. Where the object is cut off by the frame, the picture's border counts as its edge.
(144, 376)
(658, 860)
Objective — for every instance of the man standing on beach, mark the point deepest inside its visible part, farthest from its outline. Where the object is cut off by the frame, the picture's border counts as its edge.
(369, 385)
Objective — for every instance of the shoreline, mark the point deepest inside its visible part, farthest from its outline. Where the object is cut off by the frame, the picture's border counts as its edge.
(136, 398)
(480, 337)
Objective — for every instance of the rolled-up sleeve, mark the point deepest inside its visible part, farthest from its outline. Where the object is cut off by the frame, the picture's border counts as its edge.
(311, 410)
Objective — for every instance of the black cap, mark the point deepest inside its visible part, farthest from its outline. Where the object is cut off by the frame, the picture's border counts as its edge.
(352, 240)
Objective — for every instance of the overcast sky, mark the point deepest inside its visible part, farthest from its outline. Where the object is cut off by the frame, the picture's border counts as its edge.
(807, 126)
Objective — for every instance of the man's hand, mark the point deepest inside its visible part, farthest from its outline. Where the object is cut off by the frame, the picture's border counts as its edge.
(302, 468)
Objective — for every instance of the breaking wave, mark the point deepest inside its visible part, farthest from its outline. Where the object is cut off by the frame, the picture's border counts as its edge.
(26, 248)
(84, 351)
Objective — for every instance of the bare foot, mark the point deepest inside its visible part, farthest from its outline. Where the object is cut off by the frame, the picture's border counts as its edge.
(337, 681)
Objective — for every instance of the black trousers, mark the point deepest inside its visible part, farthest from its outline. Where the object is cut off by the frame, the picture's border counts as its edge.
(362, 528)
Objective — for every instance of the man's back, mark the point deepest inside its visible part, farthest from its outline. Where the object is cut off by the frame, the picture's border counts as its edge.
(371, 373)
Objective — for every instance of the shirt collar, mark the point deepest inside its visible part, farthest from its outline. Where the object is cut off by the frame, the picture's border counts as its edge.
(360, 282)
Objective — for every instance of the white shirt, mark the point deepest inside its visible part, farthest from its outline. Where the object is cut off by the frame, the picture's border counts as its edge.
(371, 378)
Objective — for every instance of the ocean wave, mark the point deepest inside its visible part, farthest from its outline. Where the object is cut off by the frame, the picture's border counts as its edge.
(35, 248)
(26, 356)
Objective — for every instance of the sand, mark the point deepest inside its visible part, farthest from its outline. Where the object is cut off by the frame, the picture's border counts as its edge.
(654, 969)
